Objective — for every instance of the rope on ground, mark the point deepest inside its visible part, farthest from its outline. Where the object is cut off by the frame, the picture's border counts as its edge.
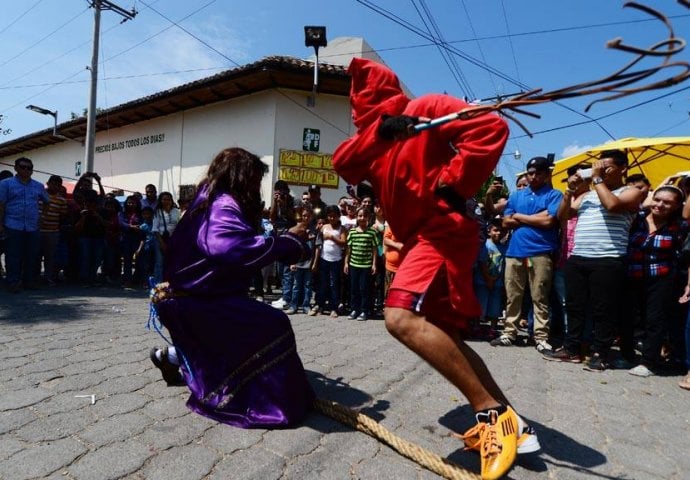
(423, 457)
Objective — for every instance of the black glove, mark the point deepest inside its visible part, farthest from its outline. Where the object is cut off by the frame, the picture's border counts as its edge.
(392, 127)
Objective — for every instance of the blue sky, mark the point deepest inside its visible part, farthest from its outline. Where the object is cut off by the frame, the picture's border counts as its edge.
(538, 43)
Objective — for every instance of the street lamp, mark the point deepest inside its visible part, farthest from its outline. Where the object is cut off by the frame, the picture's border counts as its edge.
(315, 37)
(517, 155)
(45, 111)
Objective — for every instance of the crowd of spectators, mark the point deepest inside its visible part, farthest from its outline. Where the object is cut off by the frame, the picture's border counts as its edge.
(598, 274)
(347, 274)
(89, 237)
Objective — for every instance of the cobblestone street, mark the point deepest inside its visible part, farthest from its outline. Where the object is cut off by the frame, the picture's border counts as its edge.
(81, 400)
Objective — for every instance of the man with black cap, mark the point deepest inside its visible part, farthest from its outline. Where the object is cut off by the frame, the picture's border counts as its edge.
(531, 214)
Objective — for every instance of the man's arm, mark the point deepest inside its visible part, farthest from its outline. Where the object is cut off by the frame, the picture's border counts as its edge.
(565, 209)
(101, 190)
(628, 201)
(2, 217)
(539, 220)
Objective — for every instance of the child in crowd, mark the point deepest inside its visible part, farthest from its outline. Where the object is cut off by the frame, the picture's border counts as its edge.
(379, 281)
(360, 263)
(330, 254)
(392, 249)
(301, 289)
(349, 220)
(488, 278)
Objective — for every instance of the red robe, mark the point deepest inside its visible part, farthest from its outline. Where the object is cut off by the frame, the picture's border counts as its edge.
(404, 174)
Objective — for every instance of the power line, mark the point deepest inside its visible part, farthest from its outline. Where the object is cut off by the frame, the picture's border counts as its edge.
(469, 58)
(44, 38)
(347, 134)
(160, 31)
(191, 34)
(44, 64)
(671, 127)
(454, 70)
(479, 45)
(510, 39)
(22, 102)
(602, 117)
(119, 77)
(20, 16)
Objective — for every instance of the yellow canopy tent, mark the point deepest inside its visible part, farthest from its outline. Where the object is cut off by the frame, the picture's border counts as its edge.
(656, 158)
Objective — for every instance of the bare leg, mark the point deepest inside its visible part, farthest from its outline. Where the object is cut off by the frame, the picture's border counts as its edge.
(448, 354)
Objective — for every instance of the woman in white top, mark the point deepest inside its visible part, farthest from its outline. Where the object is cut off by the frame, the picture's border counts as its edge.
(330, 251)
(164, 221)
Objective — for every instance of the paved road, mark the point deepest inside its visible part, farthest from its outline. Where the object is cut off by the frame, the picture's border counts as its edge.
(57, 344)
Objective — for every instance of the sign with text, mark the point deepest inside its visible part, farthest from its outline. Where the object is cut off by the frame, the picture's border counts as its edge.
(307, 168)
(311, 139)
(131, 143)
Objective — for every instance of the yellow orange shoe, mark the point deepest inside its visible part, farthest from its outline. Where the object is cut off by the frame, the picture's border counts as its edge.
(527, 441)
(498, 447)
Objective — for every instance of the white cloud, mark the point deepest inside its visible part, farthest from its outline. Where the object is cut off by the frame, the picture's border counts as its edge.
(174, 51)
(574, 149)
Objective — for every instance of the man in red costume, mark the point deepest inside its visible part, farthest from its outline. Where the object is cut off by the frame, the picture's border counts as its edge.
(421, 182)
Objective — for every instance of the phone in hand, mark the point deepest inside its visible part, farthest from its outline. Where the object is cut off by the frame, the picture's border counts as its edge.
(498, 179)
(585, 173)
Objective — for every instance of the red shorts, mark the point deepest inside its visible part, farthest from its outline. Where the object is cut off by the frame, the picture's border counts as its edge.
(421, 284)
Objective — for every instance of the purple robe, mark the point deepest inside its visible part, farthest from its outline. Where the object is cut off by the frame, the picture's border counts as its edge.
(241, 365)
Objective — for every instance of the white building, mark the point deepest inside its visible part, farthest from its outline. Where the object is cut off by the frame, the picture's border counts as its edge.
(169, 138)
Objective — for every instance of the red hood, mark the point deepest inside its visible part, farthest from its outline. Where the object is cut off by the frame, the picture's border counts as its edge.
(375, 91)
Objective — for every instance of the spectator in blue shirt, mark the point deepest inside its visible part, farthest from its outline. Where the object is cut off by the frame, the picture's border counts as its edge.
(531, 214)
(19, 215)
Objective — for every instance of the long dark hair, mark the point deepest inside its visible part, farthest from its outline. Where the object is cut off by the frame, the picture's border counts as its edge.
(237, 172)
(159, 204)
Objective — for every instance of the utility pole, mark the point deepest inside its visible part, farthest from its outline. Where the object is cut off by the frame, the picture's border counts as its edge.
(98, 5)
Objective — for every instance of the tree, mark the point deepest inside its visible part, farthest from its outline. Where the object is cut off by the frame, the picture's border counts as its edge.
(74, 115)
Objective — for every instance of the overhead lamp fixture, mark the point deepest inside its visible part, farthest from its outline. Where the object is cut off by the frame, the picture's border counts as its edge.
(315, 37)
(517, 155)
(45, 111)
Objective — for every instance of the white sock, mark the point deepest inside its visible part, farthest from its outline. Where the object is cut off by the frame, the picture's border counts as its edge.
(172, 355)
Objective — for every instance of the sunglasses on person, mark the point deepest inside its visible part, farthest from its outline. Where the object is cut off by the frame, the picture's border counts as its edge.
(25, 167)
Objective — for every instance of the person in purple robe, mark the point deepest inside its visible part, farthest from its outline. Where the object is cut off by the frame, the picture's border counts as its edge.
(238, 356)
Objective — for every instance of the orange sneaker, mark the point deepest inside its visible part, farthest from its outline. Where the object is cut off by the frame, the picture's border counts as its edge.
(498, 444)
(527, 441)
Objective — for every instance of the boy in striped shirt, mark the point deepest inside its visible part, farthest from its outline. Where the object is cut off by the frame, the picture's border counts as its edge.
(52, 212)
(360, 264)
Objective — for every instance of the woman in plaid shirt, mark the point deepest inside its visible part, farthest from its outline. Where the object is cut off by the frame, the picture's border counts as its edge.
(656, 238)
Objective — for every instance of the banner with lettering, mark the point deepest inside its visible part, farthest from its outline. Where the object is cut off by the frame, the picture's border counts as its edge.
(299, 167)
